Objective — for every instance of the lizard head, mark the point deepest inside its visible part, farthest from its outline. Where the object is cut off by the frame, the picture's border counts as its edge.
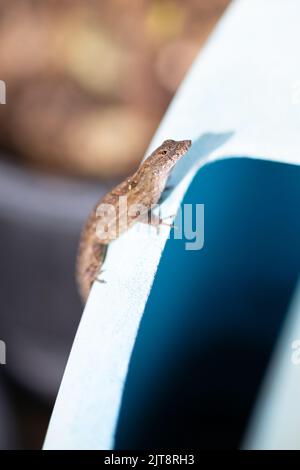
(169, 153)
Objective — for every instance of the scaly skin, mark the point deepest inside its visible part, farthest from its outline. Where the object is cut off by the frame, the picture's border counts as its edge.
(144, 188)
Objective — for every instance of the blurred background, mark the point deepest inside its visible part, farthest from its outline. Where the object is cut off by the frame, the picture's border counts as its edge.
(87, 84)
(89, 81)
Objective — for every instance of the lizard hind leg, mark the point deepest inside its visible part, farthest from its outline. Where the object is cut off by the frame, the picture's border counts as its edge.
(100, 252)
(89, 264)
(90, 276)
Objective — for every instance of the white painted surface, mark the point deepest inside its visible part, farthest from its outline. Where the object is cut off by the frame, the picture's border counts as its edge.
(275, 423)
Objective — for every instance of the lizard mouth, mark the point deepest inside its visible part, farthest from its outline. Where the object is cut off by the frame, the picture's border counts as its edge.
(177, 146)
(183, 146)
(187, 144)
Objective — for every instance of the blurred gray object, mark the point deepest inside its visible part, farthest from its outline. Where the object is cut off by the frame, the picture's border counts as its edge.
(7, 420)
(41, 218)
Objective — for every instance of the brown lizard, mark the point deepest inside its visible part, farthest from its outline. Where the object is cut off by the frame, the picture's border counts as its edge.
(142, 190)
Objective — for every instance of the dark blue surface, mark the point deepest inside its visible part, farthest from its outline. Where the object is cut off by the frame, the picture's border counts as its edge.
(213, 315)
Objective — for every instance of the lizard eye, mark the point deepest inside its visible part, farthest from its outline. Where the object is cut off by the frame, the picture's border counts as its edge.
(164, 152)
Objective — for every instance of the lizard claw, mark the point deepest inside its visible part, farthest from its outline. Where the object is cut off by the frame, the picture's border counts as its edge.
(168, 224)
(98, 279)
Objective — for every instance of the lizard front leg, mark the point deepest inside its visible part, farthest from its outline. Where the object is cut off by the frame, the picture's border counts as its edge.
(156, 220)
